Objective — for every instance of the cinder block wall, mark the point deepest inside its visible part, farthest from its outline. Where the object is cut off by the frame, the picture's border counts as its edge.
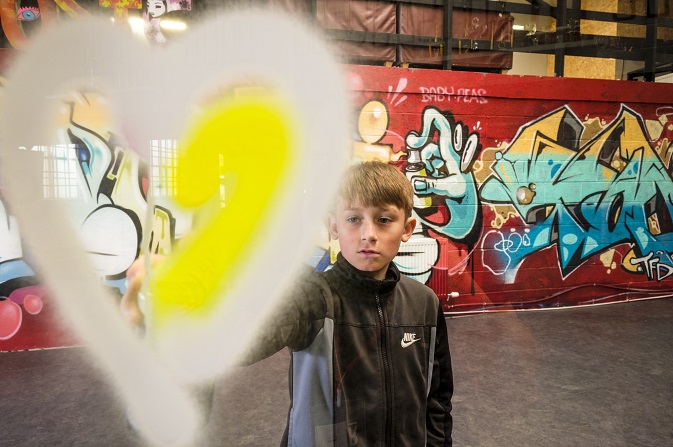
(533, 192)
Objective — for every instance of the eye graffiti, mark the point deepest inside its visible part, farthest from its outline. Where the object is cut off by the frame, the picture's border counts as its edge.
(28, 14)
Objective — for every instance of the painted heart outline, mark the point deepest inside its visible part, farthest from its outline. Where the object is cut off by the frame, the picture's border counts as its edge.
(152, 94)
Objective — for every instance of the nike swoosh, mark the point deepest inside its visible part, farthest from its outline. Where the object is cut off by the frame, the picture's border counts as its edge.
(408, 343)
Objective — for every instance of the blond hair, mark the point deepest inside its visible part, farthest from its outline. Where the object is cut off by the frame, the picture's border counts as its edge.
(374, 183)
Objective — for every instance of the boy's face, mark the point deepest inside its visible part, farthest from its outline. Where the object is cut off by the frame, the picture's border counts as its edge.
(370, 236)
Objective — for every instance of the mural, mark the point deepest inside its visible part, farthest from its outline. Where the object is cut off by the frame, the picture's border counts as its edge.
(155, 10)
(105, 187)
(529, 194)
(21, 19)
(522, 204)
(611, 190)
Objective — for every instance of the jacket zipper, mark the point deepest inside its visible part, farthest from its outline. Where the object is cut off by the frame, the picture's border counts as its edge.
(386, 373)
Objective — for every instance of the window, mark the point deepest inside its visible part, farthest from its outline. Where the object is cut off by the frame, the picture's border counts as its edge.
(163, 156)
(59, 171)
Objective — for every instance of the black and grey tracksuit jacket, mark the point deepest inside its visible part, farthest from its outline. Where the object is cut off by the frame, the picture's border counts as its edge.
(370, 361)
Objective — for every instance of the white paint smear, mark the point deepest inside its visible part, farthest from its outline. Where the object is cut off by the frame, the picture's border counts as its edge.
(153, 93)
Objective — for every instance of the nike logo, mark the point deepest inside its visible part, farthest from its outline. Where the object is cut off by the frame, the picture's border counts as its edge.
(408, 339)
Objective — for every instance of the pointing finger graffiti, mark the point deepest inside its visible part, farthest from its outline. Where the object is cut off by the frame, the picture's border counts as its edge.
(447, 159)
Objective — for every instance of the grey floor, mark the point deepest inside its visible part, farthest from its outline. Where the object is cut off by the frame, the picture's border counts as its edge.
(600, 376)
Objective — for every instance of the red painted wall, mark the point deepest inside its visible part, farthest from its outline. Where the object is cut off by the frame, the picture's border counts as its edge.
(531, 193)
(543, 192)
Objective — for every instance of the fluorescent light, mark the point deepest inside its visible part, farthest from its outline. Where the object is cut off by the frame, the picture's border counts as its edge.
(137, 25)
(518, 27)
(173, 25)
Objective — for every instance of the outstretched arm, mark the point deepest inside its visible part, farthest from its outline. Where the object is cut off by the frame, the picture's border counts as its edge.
(135, 275)
(294, 323)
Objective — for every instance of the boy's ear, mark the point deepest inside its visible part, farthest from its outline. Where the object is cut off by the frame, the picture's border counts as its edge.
(332, 226)
(409, 226)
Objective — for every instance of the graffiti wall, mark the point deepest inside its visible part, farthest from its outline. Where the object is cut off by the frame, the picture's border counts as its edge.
(22, 19)
(104, 186)
(531, 193)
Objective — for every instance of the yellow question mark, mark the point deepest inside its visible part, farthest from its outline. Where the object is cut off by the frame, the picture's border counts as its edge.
(250, 144)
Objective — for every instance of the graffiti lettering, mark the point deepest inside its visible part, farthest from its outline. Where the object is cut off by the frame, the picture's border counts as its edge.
(653, 267)
(625, 194)
(448, 94)
(437, 94)
(470, 95)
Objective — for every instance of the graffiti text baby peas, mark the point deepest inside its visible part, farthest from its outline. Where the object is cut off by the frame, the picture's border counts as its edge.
(450, 93)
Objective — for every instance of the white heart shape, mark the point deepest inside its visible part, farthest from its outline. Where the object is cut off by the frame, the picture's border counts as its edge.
(152, 91)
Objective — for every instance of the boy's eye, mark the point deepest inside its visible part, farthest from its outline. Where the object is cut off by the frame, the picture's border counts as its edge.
(385, 220)
(353, 219)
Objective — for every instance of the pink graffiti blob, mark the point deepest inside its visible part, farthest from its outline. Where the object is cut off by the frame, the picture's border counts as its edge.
(10, 319)
(33, 304)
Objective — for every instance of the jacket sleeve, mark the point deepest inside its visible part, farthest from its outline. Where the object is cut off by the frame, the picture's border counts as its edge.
(439, 421)
(293, 323)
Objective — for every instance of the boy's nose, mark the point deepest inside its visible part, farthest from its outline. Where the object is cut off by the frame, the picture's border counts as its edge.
(368, 231)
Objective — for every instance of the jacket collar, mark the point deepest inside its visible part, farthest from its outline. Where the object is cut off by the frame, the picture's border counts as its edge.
(353, 276)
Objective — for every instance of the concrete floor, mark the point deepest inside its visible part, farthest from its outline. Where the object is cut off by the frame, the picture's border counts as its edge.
(599, 376)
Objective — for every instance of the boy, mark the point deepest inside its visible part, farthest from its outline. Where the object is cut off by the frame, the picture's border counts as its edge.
(370, 361)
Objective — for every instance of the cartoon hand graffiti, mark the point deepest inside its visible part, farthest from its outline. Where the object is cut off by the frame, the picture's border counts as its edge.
(279, 155)
(444, 169)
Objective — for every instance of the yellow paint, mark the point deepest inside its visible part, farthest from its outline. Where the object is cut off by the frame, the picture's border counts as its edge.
(89, 110)
(121, 7)
(502, 214)
(664, 150)
(654, 128)
(606, 257)
(250, 143)
(379, 152)
(628, 265)
(373, 121)
(653, 225)
(161, 241)
(592, 127)
(483, 167)
(631, 140)
(72, 12)
(372, 127)
(334, 249)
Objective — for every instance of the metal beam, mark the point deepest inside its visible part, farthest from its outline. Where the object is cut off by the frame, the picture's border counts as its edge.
(539, 4)
(447, 32)
(651, 39)
(540, 8)
(663, 68)
(559, 48)
(593, 46)
(587, 45)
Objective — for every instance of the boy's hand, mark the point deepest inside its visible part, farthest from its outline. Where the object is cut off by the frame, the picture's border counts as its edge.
(128, 306)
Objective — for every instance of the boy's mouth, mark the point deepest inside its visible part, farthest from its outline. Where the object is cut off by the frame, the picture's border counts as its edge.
(368, 252)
